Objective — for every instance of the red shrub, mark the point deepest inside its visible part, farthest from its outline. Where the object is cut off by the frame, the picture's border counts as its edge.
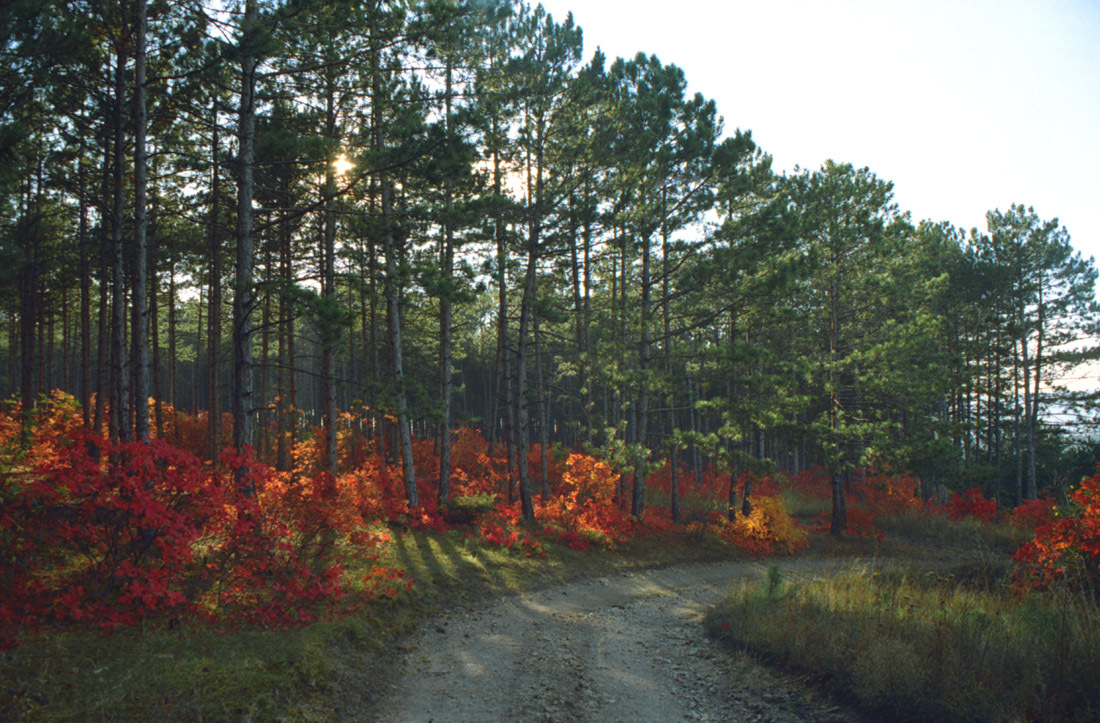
(104, 541)
(1033, 514)
(1070, 541)
(146, 530)
(971, 504)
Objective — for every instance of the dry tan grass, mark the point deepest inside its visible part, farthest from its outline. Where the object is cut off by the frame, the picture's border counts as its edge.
(920, 644)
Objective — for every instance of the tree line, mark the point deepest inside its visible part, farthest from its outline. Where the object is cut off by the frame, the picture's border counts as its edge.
(405, 215)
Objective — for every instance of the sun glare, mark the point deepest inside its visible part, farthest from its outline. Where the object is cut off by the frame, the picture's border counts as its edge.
(342, 165)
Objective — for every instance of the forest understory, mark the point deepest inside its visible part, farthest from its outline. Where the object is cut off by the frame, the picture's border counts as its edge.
(139, 579)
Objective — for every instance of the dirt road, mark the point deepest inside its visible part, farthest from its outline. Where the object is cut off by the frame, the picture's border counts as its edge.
(623, 648)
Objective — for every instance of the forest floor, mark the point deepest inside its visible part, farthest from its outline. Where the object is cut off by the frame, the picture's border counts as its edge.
(627, 647)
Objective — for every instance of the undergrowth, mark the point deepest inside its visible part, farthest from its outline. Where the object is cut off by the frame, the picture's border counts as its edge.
(325, 670)
(143, 581)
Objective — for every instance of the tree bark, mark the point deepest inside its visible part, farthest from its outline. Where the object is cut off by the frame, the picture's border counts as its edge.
(243, 301)
(196, 384)
(328, 287)
(393, 302)
(374, 353)
(446, 381)
(214, 303)
(544, 417)
(504, 389)
(580, 302)
(102, 336)
(637, 500)
(1033, 411)
(154, 345)
(393, 282)
(172, 348)
(283, 404)
(85, 299)
(154, 319)
(530, 291)
(28, 313)
(839, 519)
(120, 427)
(138, 281)
(674, 448)
(262, 441)
(1017, 447)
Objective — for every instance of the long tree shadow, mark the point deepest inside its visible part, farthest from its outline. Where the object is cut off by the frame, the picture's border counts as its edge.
(403, 556)
(460, 561)
(437, 560)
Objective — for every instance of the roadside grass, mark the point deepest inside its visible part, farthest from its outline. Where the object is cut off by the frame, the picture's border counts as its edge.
(192, 673)
(917, 643)
(326, 670)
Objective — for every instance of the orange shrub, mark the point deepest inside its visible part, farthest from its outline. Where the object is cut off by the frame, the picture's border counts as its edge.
(769, 526)
(1071, 541)
(10, 426)
(583, 509)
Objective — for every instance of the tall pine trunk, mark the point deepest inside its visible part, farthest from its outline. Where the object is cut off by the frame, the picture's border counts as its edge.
(544, 417)
(243, 301)
(328, 288)
(527, 309)
(214, 304)
(120, 427)
(85, 298)
(637, 500)
(139, 330)
(393, 284)
(446, 383)
(393, 304)
(666, 320)
(102, 381)
(1033, 410)
(262, 443)
(839, 518)
(1017, 425)
(172, 348)
(28, 313)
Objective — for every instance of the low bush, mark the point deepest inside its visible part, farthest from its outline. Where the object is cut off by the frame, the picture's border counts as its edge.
(1067, 548)
(112, 534)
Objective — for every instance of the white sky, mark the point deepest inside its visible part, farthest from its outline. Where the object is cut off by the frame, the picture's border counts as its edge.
(966, 105)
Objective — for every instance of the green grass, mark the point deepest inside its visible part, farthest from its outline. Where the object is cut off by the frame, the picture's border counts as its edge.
(949, 643)
(192, 673)
(321, 671)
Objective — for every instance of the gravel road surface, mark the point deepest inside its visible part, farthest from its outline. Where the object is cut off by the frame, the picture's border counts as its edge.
(623, 648)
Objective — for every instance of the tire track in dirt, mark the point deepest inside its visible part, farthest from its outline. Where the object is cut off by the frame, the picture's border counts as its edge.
(622, 648)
